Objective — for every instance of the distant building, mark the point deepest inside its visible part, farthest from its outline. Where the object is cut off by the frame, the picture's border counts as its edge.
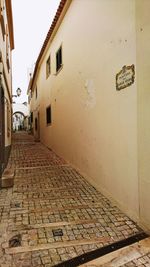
(20, 112)
(90, 97)
(20, 116)
(6, 46)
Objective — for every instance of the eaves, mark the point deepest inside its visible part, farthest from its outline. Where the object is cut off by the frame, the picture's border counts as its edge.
(61, 11)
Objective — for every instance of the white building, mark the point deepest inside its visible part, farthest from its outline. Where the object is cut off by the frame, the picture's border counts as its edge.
(20, 112)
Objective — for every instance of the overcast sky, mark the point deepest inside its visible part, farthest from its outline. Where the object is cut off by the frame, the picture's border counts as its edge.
(32, 20)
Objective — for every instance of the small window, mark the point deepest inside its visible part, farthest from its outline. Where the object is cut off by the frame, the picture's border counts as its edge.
(59, 59)
(36, 93)
(31, 117)
(48, 67)
(48, 115)
(7, 49)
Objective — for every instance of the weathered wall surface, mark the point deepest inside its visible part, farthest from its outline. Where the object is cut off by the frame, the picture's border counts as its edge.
(6, 77)
(94, 126)
(143, 83)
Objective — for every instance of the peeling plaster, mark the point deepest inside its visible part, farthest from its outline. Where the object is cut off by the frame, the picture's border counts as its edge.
(89, 96)
(90, 90)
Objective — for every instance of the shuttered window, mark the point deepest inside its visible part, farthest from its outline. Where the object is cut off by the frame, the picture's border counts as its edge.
(59, 59)
(48, 115)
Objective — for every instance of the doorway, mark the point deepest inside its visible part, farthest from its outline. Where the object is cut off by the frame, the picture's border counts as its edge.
(18, 121)
(38, 127)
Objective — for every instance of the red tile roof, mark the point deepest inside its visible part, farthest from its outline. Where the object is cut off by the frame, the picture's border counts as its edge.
(49, 34)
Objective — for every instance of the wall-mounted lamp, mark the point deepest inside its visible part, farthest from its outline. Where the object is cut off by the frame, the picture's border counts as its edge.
(18, 91)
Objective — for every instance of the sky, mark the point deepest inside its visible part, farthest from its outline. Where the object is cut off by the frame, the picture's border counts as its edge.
(31, 21)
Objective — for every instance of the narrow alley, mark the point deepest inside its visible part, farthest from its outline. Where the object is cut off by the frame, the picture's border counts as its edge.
(74, 133)
(52, 214)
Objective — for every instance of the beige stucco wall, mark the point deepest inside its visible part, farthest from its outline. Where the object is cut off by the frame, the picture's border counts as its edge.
(8, 119)
(143, 82)
(8, 111)
(94, 127)
(6, 81)
(3, 51)
(35, 107)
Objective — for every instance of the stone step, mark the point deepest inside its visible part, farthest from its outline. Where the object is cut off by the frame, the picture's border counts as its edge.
(126, 255)
(21, 249)
(7, 179)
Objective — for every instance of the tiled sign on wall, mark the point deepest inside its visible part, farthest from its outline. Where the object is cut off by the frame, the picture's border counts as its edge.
(125, 77)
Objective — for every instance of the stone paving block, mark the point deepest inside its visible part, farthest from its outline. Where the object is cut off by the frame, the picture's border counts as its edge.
(49, 194)
(143, 261)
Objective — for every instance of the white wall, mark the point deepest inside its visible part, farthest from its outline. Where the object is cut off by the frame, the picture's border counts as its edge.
(6, 80)
(19, 107)
(94, 127)
(143, 72)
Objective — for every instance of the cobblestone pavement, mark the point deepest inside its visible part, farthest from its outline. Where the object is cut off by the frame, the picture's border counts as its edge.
(140, 262)
(52, 213)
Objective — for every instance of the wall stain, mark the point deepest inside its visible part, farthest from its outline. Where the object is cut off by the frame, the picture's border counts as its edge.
(90, 92)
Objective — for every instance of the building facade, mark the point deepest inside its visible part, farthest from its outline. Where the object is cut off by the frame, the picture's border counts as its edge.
(6, 46)
(90, 99)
